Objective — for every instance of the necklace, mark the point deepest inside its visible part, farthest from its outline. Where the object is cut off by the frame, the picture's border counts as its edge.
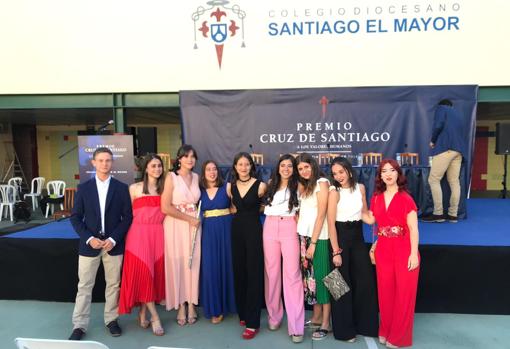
(245, 181)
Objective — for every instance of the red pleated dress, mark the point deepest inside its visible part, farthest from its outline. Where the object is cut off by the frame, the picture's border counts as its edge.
(143, 274)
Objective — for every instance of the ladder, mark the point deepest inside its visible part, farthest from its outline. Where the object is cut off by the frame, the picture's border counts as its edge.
(14, 165)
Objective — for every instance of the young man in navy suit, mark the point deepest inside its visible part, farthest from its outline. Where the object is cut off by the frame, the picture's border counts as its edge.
(101, 216)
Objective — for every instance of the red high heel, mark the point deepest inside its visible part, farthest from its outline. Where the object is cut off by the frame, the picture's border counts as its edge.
(249, 333)
(242, 323)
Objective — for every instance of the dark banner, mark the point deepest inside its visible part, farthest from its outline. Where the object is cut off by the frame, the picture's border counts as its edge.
(123, 159)
(346, 121)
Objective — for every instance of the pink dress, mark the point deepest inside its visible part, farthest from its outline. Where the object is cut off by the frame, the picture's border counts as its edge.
(181, 281)
(143, 278)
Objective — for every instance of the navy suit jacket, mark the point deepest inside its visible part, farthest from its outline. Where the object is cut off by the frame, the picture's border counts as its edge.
(86, 215)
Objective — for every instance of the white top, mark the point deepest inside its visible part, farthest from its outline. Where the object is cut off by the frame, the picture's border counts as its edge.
(102, 192)
(308, 214)
(280, 205)
(350, 204)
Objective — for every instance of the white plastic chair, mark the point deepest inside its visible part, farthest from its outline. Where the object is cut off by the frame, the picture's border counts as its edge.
(7, 200)
(35, 191)
(16, 183)
(56, 190)
(36, 343)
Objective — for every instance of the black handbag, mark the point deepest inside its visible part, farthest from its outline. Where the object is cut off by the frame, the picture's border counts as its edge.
(336, 284)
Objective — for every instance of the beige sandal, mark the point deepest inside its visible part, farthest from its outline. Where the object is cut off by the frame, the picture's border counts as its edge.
(157, 329)
(216, 319)
(143, 322)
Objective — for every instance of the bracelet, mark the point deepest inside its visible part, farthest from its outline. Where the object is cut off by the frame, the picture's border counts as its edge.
(337, 252)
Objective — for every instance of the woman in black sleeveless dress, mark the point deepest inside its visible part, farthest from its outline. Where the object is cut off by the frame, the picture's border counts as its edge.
(247, 252)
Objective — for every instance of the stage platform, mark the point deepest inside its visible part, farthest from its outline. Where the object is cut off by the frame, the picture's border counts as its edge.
(464, 265)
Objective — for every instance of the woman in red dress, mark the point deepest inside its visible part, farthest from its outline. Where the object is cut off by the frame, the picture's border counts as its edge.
(143, 278)
(395, 254)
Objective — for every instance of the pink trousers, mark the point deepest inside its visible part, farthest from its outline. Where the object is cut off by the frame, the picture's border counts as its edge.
(281, 239)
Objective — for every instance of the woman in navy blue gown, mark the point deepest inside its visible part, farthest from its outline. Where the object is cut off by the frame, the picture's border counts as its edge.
(216, 275)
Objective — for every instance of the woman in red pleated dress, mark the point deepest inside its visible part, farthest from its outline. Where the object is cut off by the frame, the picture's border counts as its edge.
(395, 254)
(143, 275)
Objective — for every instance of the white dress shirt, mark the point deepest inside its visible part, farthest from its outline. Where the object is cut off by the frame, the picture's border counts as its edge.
(102, 191)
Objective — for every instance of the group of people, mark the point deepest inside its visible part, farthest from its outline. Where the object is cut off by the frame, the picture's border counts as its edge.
(191, 237)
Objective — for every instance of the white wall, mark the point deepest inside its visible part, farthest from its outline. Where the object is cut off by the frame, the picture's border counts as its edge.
(80, 46)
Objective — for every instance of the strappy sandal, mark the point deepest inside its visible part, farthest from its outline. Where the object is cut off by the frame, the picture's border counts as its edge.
(311, 324)
(216, 319)
(157, 329)
(142, 322)
(192, 319)
(320, 334)
(181, 321)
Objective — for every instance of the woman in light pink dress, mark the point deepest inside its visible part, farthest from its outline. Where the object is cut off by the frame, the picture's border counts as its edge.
(179, 203)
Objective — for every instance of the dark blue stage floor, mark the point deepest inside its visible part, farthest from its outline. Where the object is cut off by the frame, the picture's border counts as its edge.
(488, 225)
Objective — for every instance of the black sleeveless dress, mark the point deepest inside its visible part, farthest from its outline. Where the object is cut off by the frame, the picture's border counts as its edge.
(247, 255)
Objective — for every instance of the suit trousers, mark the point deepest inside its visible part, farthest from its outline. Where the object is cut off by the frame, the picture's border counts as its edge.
(281, 240)
(87, 270)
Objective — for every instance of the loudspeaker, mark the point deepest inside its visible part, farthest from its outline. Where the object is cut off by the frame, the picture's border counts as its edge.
(147, 140)
(502, 138)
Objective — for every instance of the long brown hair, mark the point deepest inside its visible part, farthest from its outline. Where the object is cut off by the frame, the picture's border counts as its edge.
(317, 173)
(160, 182)
(276, 179)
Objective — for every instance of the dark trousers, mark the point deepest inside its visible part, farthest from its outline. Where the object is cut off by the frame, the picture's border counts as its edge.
(248, 265)
(357, 311)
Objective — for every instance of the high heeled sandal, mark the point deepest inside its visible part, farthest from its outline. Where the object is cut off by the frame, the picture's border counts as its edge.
(250, 333)
(216, 319)
(143, 323)
(181, 320)
(389, 345)
(157, 328)
(192, 319)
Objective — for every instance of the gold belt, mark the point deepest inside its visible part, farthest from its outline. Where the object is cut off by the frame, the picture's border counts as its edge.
(216, 213)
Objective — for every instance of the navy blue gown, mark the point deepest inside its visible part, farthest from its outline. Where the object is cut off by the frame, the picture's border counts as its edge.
(216, 275)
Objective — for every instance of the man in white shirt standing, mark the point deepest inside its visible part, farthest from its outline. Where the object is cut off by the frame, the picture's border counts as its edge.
(101, 216)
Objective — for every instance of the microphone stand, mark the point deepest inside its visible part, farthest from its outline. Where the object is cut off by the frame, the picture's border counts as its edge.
(503, 191)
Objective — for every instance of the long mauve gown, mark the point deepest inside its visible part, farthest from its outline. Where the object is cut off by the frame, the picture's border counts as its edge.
(181, 281)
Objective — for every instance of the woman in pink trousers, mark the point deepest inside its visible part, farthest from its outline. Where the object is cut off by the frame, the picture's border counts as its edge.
(281, 239)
